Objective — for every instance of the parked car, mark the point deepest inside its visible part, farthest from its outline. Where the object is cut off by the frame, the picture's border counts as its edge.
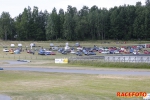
(17, 51)
(114, 52)
(60, 50)
(100, 50)
(1, 68)
(68, 50)
(105, 52)
(5, 50)
(11, 51)
(94, 49)
(41, 52)
(54, 48)
(47, 52)
(52, 53)
(89, 53)
(32, 44)
(30, 51)
(73, 52)
(146, 52)
(135, 52)
(64, 52)
(77, 44)
(79, 48)
(78, 53)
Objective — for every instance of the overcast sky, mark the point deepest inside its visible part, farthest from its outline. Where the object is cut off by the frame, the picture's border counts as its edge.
(15, 7)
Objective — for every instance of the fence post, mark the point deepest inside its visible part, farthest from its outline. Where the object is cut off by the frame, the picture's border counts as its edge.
(108, 59)
(124, 60)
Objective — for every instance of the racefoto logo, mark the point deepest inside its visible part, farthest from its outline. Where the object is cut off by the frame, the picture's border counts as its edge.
(131, 94)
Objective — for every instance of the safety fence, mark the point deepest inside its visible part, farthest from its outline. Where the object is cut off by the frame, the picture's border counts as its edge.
(113, 58)
(130, 59)
(31, 57)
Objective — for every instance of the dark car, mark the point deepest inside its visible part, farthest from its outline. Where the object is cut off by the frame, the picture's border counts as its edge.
(78, 53)
(64, 52)
(1, 68)
(89, 53)
(60, 50)
(95, 49)
(41, 52)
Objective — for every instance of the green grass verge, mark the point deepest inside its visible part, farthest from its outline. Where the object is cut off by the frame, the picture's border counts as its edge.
(102, 64)
(58, 86)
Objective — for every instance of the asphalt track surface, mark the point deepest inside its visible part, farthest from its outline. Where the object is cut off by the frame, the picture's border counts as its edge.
(81, 71)
(4, 97)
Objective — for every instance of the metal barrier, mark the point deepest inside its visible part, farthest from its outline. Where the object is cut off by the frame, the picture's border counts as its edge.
(131, 59)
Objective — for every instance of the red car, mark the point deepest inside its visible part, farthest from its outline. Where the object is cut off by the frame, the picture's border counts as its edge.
(100, 51)
(30, 51)
(146, 52)
(52, 53)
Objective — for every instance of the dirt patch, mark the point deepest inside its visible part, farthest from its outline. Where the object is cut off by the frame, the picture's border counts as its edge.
(122, 77)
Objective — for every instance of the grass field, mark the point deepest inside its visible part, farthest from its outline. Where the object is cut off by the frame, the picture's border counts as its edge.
(59, 86)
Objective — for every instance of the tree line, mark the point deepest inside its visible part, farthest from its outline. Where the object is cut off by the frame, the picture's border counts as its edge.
(126, 22)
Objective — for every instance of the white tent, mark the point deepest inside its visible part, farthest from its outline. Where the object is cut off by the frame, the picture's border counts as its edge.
(51, 44)
(12, 45)
(19, 45)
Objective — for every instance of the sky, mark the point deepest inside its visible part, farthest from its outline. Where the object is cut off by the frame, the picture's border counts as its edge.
(15, 7)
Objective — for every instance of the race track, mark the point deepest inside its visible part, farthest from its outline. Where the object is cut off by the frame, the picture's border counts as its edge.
(75, 70)
(81, 71)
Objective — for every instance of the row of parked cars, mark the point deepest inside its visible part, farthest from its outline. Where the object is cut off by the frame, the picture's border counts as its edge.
(93, 50)
(45, 52)
(12, 51)
(78, 51)
(106, 50)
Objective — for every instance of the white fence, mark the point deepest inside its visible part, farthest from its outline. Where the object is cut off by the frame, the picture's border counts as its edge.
(132, 59)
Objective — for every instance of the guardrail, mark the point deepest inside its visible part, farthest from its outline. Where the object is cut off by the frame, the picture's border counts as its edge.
(131, 59)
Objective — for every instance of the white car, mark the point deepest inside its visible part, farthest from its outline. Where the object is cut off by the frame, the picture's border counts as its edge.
(73, 52)
(147, 97)
(5, 50)
(79, 48)
(135, 53)
(116, 52)
(55, 48)
(105, 52)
